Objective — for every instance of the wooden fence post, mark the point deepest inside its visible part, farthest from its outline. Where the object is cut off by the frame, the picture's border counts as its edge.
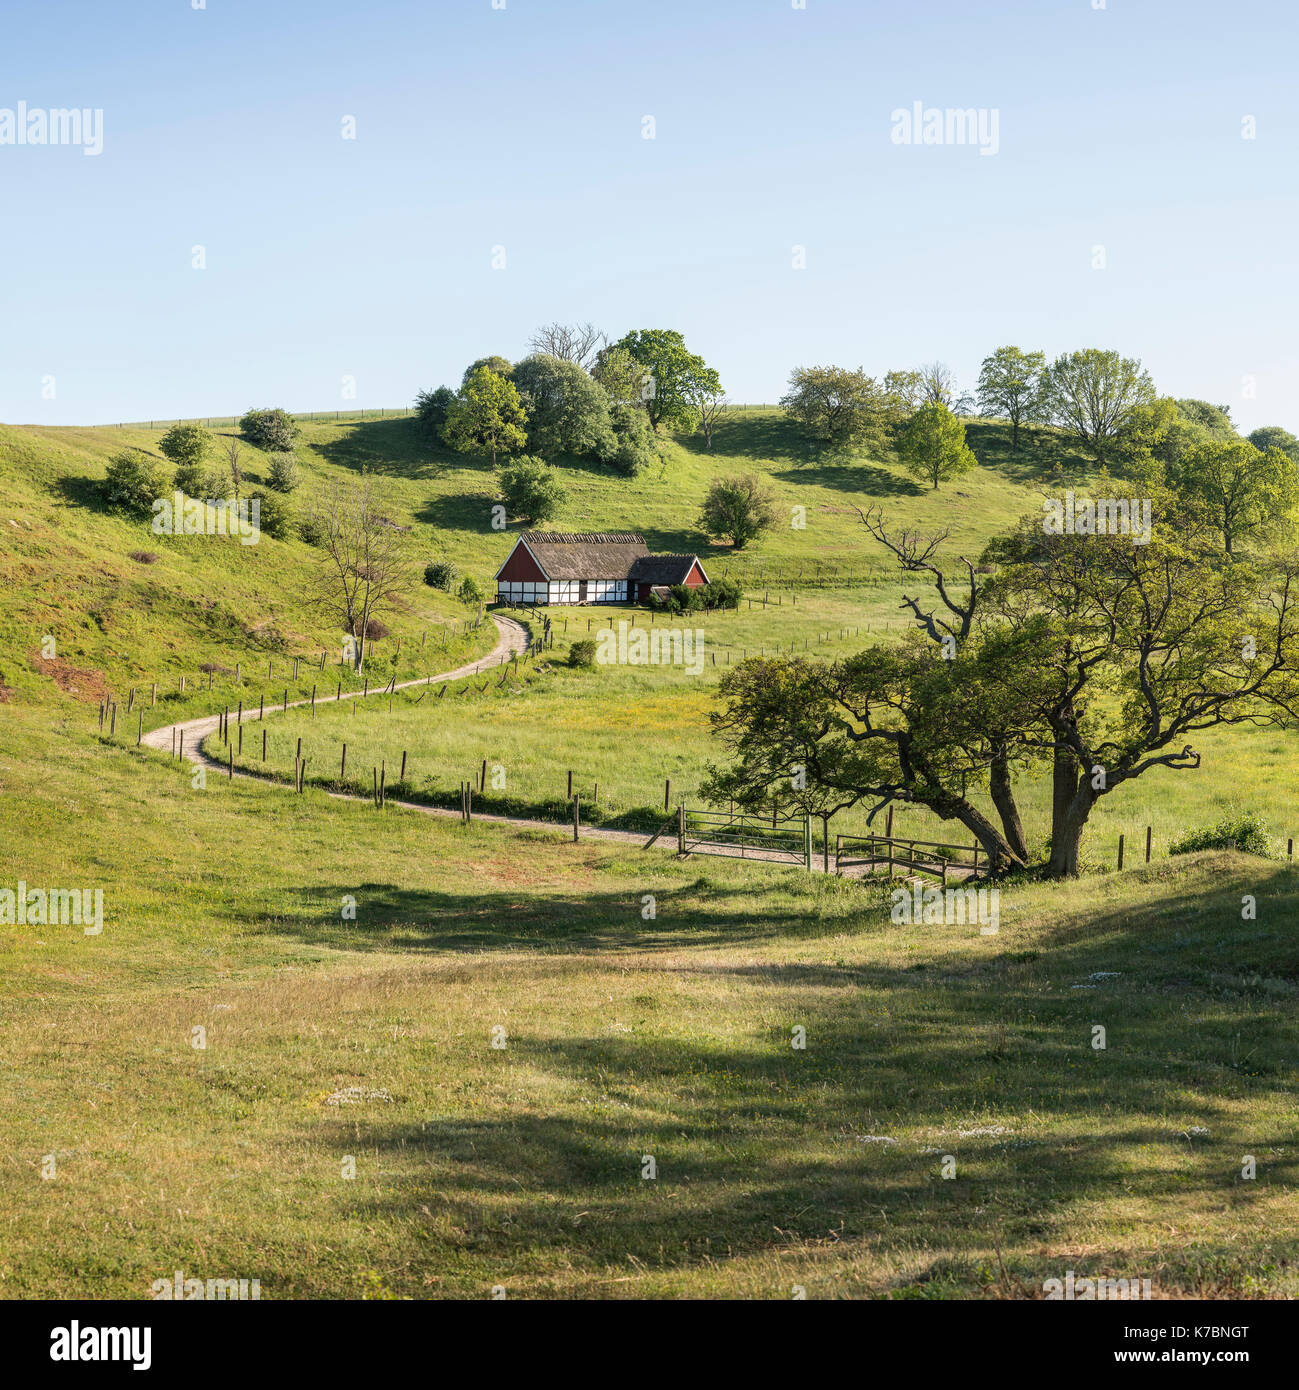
(482, 777)
(576, 814)
(1148, 829)
(342, 767)
(1120, 851)
(139, 735)
(667, 793)
(263, 745)
(402, 778)
(241, 738)
(681, 829)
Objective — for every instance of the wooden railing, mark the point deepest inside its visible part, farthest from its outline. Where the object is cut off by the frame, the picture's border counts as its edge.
(873, 852)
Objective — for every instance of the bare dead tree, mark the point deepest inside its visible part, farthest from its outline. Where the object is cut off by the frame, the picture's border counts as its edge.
(938, 384)
(579, 343)
(711, 407)
(236, 470)
(362, 568)
(915, 554)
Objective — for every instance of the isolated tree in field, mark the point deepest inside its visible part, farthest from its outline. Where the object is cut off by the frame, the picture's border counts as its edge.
(1088, 654)
(567, 412)
(710, 408)
(272, 430)
(578, 343)
(362, 567)
(1091, 394)
(1124, 652)
(186, 445)
(674, 375)
(1010, 387)
(487, 416)
(1274, 437)
(1241, 490)
(841, 409)
(738, 509)
(890, 724)
(531, 490)
(932, 446)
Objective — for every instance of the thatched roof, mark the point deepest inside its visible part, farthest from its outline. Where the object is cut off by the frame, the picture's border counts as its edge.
(586, 554)
(662, 569)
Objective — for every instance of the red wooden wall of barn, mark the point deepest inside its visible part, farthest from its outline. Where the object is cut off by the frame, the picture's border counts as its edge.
(521, 565)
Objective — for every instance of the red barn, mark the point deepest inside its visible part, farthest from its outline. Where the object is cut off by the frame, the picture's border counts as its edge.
(563, 567)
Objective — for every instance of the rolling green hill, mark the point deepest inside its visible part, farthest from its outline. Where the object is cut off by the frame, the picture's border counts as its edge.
(333, 1043)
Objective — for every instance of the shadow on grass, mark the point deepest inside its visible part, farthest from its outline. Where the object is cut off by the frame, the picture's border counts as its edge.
(392, 448)
(845, 476)
(761, 1149)
(1041, 451)
(393, 919)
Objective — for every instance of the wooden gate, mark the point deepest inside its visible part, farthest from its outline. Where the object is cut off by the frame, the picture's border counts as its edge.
(869, 853)
(745, 837)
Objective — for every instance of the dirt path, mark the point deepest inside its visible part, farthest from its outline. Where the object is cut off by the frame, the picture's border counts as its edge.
(514, 641)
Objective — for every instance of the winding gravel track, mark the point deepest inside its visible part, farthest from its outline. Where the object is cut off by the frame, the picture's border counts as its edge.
(514, 641)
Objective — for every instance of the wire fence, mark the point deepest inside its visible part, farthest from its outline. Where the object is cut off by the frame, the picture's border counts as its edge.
(340, 416)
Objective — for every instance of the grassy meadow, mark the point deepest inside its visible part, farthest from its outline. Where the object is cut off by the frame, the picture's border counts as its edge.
(348, 1129)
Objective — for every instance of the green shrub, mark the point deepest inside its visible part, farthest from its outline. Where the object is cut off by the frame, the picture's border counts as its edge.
(186, 444)
(272, 430)
(722, 593)
(440, 574)
(275, 516)
(688, 600)
(1242, 830)
(431, 409)
(196, 479)
(283, 475)
(312, 530)
(133, 481)
(469, 593)
(582, 653)
(532, 490)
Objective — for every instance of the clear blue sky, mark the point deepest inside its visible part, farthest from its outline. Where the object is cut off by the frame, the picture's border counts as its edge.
(522, 127)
